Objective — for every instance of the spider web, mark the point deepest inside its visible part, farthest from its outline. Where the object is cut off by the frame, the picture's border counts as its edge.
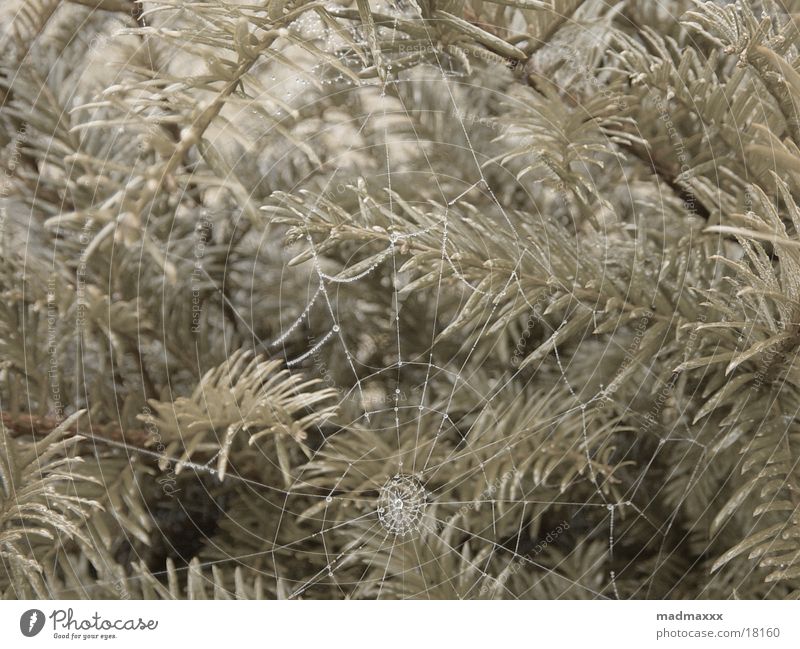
(404, 526)
(402, 531)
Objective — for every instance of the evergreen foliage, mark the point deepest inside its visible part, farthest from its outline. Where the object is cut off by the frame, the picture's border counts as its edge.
(400, 298)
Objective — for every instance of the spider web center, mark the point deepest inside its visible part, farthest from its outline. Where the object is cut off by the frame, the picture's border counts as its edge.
(401, 504)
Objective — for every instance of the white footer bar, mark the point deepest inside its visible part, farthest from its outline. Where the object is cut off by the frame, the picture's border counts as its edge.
(400, 625)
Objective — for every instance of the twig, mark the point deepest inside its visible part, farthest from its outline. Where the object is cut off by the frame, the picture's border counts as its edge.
(39, 426)
(670, 179)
